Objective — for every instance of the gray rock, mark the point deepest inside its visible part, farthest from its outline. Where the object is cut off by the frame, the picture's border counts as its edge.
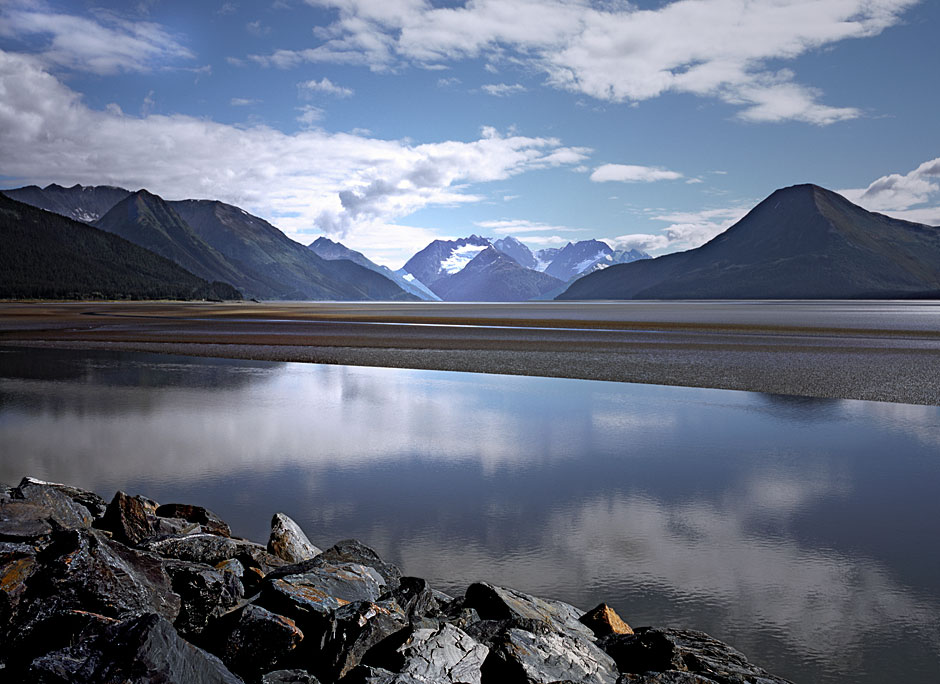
(139, 650)
(259, 641)
(208, 520)
(446, 654)
(62, 511)
(211, 549)
(288, 541)
(322, 590)
(205, 593)
(24, 521)
(289, 677)
(500, 603)
(17, 565)
(378, 675)
(654, 650)
(93, 503)
(542, 656)
(356, 628)
(354, 551)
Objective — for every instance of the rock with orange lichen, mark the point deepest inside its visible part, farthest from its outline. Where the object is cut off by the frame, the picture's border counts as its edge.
(604, 621)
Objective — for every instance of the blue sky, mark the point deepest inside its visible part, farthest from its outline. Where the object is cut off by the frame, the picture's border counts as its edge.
(387, 123)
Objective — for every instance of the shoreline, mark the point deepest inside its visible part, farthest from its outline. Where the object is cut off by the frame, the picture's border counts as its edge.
(894, 364)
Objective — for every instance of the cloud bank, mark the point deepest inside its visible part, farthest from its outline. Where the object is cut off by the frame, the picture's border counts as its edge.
(613, 51)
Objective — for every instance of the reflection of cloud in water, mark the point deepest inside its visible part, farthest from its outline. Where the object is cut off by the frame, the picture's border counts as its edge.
(291, 414)
(696, 555)
(921, 421)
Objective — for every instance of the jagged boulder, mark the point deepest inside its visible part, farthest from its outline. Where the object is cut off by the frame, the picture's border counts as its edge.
(205, 593)
(604, 621)
(259, 641)
(203, 517)
(442, 653)
(288, 542)
(356, 629)
(501, 603)
(139, 650)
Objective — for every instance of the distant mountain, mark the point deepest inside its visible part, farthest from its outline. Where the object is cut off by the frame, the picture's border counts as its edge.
(333, 251)
(444, 257)
(511, 247)
(544, 257)
(802, 242)
(48, 256)
(492, 276)
(220, 241)
(82, 203)
(577, 258)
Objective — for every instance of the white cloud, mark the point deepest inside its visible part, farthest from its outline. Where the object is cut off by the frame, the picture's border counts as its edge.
(326, 86)
(614, 51)
(899, 195)
(309, 115)
(686, 230)
(340, 183)
(503, 89)
(243, 102)
(629, 173)
(514, 226)
(106, 44)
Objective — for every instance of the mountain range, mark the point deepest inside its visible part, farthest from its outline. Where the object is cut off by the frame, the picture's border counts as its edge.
(802, 242)
(48, 256)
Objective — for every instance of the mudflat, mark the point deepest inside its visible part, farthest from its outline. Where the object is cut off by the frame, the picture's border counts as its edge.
(874, 350)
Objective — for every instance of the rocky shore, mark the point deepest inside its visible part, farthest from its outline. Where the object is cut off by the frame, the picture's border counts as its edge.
(134, 591)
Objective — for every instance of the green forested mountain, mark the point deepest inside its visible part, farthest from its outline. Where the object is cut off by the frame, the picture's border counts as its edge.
(48, 256)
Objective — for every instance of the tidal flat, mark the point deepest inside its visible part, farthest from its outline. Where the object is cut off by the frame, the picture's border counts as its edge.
(871, 350)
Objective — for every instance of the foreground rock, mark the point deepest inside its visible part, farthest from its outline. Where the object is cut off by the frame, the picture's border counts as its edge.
(134, 591)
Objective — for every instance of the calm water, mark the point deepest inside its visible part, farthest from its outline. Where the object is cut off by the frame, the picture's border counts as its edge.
(805, 532)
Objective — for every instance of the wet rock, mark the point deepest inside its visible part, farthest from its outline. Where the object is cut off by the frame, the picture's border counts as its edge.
(203, 547)
(651, 650)
(24, 521)
(288, 541)
(205, 593)
(130, 519)
(322, 590)
(289, 677)
(91, 502)
(138, 650)
(443, 654)
(355, 629)
(500, 603)
(670, 677)
(416, 598)
(259, 641)
(354, 551)
(378, 675)
(604, 621)
(542, 655)
(208, 520)
(17, 565)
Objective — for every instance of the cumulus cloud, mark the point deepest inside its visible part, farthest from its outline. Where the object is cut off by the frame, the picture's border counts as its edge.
(629, 173)
(503, 89)
(513, 226)
(307, 182)
(901, 195)
(243, 102)
(614, 51)
(107, 44)
(686, 230)
(326, 86)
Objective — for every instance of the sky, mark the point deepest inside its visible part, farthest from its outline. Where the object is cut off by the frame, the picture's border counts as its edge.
(385, 124)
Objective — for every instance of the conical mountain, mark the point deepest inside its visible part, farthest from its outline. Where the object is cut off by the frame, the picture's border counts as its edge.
(145, 219)
(492, 276)
(802, 242)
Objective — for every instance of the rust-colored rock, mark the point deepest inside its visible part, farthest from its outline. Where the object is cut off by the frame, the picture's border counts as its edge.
(604, 621)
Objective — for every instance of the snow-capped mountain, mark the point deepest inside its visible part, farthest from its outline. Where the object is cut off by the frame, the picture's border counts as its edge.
(444, 257)
(493, 276)
(511, 247)
(579, 258)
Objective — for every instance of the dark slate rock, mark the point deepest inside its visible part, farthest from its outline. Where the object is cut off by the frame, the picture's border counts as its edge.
(354, 551)
(416, 598)
(668, 677)
(130, 519)
(209, 521)
(92, 503)
(500, 603)
(604, 621)
(46, 630)
(142, 649)
(205, 593)
(653, 649)
(289, 677)
(17, 565)
(259, 641)
(356, 628)
(443, 654)
(542, 655)
(288, 541)
(211, 549)
(378, 675)
(24, 521)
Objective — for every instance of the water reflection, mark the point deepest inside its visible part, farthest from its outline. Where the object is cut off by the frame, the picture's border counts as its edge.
(803, 531)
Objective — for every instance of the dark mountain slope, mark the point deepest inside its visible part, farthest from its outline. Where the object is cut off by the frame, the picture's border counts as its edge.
(48, 256)
(492, 276)
(444, 257)
(79, 202)
(280, 267)
(802, 242)
(333, 251)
